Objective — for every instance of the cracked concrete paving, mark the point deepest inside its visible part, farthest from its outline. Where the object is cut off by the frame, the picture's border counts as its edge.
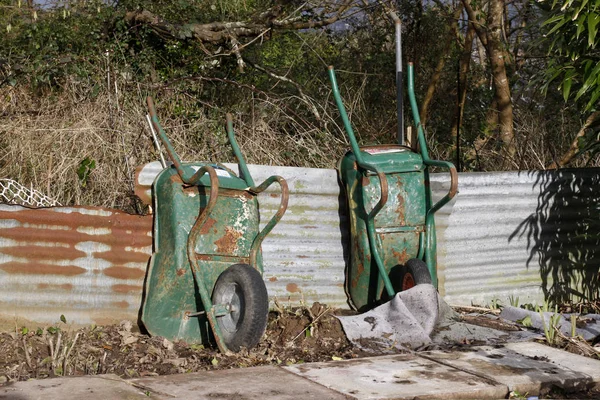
(480, 372)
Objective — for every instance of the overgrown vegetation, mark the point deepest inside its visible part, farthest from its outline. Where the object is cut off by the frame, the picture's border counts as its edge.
(74, 76)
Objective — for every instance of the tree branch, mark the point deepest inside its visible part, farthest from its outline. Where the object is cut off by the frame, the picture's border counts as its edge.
(220, 32)
(574, 149)
(303, 96)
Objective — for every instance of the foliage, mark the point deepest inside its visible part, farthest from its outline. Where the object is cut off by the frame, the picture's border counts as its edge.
(79, 71)
(572, 28)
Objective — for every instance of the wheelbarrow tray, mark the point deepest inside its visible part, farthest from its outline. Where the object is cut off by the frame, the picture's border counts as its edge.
(171, 290)
(398, 226)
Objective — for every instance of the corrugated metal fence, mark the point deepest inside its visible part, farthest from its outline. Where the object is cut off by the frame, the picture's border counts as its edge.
(505, 234)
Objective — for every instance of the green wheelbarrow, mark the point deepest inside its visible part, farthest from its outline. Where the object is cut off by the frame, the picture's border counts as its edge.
(204, 281)
(392, 228)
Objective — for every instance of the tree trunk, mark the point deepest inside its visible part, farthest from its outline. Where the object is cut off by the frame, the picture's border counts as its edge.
(501, 84)
(463, 71)
(574, 149)
(491, 37)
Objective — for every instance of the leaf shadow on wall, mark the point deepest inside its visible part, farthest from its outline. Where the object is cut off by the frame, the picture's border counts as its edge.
(563, 234)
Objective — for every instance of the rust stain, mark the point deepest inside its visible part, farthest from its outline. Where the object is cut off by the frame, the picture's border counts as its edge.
(365, 181)
(175, 179)
(292, 288)
(118, 255)
(75, 219)
(118, 236)
(180, 271)
(310, 227)
(32, 268)
(402, 257)
(301, 256)
(204, 229)
(274, 195)
(360, 268)
(273, 279)
(401, 209)
(228, 243)
(120, 304)
(119, 288)
(46, 286)
(43, 252)
(139, 190)
(124, 273)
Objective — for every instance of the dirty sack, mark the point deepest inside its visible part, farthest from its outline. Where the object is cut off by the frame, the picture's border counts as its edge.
(417, 318)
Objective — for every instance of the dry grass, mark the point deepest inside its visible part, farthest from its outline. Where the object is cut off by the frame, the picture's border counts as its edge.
(43, 142)
(44, 139)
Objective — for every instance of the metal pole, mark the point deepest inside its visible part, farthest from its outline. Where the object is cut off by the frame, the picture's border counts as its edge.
(156, 142)
(399, 81)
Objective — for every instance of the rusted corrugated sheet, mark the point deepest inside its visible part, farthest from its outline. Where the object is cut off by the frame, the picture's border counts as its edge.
(505, 234)
(86, 263)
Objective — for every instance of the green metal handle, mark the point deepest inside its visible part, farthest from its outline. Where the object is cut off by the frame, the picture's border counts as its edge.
(426, 241)
(191, 253)
(356, 149)
(238, 153)
(163, 137)
(344, 115)
(285, 195)
(423, 145)
(382, 182)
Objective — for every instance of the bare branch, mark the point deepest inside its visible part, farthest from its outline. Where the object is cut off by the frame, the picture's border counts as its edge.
(304, 97)
(574, 149)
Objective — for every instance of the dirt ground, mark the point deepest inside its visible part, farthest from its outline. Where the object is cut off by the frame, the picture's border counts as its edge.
(293, 336)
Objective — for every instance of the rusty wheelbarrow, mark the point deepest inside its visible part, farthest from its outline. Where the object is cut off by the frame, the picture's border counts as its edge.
(204, 281)
(392, 227)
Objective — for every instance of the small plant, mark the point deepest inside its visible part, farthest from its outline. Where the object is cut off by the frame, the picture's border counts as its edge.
(516, 395)
(551, 330)
(86, 166)
(495, 304)
(514, 301)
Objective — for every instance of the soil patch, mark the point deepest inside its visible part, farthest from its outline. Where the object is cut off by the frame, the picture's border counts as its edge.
(293, 336)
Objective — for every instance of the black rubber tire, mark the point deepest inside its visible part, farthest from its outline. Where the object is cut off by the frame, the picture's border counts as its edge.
(243, 287)
(413, 273)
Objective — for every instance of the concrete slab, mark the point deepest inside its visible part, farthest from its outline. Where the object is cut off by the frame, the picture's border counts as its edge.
(259, 383)
(560, 358)
(88, 387)
(520, 372)
(404, 376)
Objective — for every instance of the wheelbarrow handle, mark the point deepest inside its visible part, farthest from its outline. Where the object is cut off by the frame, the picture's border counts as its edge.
(371, 233)
(163, 137)
(285, 195)
(238, 153)
(453, 183)
(383, 183)
(203, 290)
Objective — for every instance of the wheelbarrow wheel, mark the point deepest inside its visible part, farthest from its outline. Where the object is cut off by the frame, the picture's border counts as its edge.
(413, 273)
(242, 287)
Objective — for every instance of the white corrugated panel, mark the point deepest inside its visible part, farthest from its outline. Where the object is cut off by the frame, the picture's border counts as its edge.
(515, 234)
(505, 234)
